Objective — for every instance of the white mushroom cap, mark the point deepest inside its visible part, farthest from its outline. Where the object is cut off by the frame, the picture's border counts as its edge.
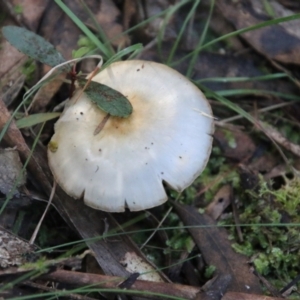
(167, 139)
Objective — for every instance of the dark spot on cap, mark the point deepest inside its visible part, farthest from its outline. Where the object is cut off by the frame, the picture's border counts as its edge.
(138, 70)
(180, 157)
(81, 113)
(100, 150)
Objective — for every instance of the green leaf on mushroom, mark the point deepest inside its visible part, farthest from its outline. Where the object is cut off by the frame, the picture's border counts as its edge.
(34, 46)
(107, 99)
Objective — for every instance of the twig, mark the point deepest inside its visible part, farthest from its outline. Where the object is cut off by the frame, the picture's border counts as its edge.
(112, 282)
(102, 124)
(144, 287)
(280, 139)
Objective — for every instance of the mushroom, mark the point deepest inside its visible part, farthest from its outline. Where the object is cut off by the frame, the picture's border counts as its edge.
(167, 139)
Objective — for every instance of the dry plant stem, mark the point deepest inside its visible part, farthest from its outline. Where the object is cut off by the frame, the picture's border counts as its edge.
(102, 124)
(90, 77)
(274, 292)
(265, 109)
(33, 237)
(260, 126)
(281, 68)
(160, 223)
(280, 139)
(111, 282)
(158, 226)
(147, 47)
(216, 249)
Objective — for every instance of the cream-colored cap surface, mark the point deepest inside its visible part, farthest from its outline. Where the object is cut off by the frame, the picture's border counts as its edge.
(167, 139)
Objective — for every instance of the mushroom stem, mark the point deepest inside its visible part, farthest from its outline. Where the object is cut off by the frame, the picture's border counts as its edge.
(102, 124)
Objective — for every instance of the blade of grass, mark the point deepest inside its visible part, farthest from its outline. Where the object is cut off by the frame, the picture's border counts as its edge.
(182, 29)
(101, 32)
(170, 10)
(242, 79)
(238, 32)
(210, 94)
(134, 49)
(262, 110)
(36, 119)
(103, 48)
(239, 92)
(81, 290)
(116, 234)
(160, 37)
(162, 30)
(202, 38)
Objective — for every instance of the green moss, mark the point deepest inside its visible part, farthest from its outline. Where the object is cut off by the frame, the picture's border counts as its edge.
(274, 248)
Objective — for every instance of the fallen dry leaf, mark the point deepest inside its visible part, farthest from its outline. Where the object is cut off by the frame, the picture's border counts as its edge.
(235, 144)
(215, 247)
(265, 40)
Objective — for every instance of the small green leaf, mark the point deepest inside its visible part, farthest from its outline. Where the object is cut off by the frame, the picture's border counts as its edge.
(33, 45)
(36, 119)
(108, 99)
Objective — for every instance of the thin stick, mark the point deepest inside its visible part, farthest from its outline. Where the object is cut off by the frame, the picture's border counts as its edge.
(33, 237)
(102, 124)
(90, 77)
